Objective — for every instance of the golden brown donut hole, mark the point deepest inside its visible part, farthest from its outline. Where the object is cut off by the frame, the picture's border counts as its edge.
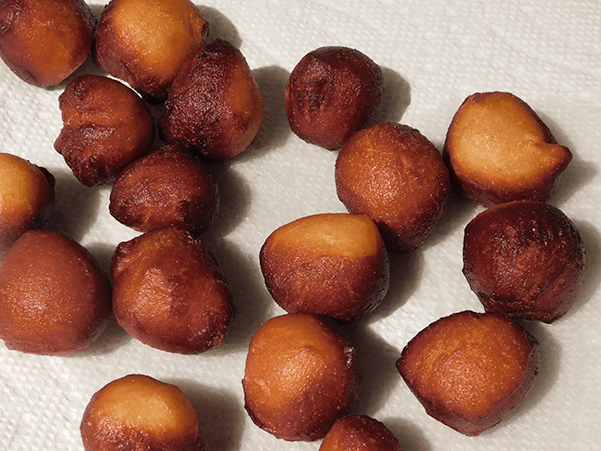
(524, 259)
(169, 293)
(393, 174)
(359, 432)
(470, 370)
(166, 188)
(44, 42)
(106, 126)
(214, 107)
(145, 42)
(140, 412)
(332, 93)
(499, 150)
(26, 198)
(328, 264)
(54, 298)
(300, 376)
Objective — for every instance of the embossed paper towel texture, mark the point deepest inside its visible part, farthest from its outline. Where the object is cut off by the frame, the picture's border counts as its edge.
(433, 55)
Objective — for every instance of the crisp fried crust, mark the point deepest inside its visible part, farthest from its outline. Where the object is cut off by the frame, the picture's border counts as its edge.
(169, 293)
(166, 188)
(329, 264)
(146, 42)
(26, 198)
(524, 259)
(139, 412)
(106, 126)
(54, 298)
(393, 174)
(300, 376)
(469, 370)
(332, 93)
(359, 432)
(214, 107)
(45, 42)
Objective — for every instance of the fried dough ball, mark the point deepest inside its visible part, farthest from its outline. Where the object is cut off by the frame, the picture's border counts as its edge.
(139, 412)
(45, 42)
(524, 259)
(214, 107)
(300, 376)
(393, 174)
(168, 292)
(166, 188)
(332, 93)
(329, 264)
(359, 432)
(469, 370)
(106, 126)
(26, 198)
(145, 42)
(499, 150)
(54, 298)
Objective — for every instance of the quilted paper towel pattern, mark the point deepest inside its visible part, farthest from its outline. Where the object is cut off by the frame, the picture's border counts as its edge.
(433, 55)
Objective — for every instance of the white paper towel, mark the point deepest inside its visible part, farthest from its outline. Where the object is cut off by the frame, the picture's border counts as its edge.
(433, 54)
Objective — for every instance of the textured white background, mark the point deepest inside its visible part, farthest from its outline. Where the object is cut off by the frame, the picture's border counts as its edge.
(433, 55)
